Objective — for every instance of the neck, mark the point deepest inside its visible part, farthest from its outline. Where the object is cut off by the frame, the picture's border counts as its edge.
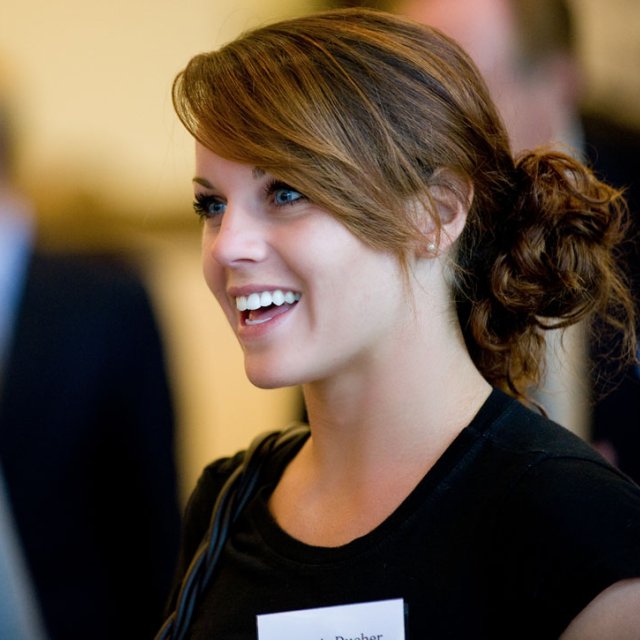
(374, 438)
(411, 405)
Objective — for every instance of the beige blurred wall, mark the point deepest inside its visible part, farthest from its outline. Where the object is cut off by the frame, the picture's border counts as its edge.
(93, 79)
(610, 50)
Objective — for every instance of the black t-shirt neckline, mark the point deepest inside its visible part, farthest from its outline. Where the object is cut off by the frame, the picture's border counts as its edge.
(428, 488)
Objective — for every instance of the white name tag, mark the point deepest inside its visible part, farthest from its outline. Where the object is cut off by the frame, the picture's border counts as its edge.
(383, 620)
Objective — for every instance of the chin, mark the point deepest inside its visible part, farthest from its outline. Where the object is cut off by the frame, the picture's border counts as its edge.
(269, 378)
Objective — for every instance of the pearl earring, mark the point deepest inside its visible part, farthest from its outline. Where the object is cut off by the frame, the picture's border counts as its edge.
(431, 247)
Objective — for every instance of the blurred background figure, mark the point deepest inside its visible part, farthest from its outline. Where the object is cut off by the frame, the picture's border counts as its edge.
(86, 430)
(19, 612)
(527, 51)
(524, 49)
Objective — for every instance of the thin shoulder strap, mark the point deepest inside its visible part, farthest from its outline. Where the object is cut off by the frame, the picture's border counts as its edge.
(233, 497)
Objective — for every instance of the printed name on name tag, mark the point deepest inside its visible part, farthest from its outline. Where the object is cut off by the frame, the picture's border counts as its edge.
(382, 620)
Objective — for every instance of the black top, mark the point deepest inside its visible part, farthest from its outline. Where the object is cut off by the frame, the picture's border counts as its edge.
(517, 527)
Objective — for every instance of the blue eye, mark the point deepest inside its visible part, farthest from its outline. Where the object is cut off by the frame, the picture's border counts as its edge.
(208, 206)
(286, 196)
(283, 194)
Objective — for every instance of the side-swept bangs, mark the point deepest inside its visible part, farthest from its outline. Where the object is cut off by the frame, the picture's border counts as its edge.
(355, 113)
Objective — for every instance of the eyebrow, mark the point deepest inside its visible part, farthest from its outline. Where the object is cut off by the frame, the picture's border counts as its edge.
(202, 182)
(257, 173)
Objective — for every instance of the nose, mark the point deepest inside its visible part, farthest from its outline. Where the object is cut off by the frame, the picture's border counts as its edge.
(238, 239)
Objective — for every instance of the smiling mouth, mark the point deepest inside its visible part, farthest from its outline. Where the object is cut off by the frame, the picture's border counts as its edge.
(260, 307)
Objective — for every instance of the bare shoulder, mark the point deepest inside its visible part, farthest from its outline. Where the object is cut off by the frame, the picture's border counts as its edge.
(614, 614)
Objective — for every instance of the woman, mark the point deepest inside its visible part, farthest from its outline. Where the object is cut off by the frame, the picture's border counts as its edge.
(370, 237)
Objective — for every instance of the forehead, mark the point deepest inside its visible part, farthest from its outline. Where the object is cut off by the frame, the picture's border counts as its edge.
(210, 164)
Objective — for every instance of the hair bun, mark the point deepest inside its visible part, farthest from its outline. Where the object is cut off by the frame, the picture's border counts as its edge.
(560, 234)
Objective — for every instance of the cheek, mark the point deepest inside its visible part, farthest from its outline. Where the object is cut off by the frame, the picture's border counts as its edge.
(213, 274)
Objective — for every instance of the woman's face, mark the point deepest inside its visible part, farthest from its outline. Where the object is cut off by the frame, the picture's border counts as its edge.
(306, 299)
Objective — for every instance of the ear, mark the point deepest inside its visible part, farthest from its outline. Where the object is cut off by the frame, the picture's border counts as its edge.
(450, 196)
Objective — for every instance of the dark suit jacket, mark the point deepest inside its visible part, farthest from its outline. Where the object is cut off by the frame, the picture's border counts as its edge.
(614, 151)
(86, 443)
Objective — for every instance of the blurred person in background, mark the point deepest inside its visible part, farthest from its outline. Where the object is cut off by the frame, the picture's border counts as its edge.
(19, 613)
(526, 51)
(86, 429)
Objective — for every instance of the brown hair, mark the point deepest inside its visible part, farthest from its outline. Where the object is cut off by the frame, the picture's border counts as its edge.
(359, 109)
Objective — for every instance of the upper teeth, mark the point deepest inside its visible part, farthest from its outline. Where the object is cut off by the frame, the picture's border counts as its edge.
(265, 299)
